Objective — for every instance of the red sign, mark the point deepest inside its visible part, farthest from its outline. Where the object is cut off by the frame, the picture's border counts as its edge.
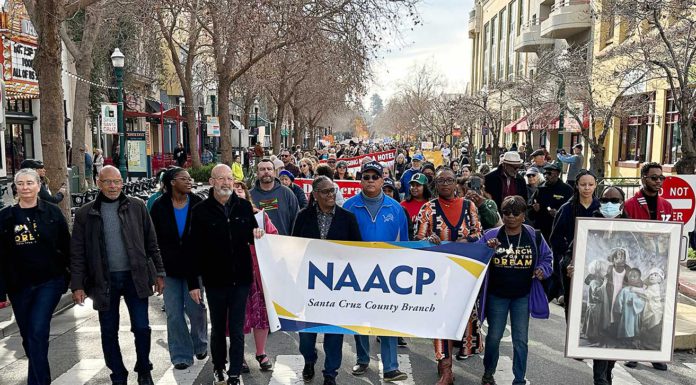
(680, 194)
(387, 157)
(349, 188)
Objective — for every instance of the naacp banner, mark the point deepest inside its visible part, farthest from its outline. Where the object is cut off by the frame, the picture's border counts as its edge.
(409, 289)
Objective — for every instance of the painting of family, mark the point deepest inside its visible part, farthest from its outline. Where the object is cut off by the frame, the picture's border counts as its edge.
(619, 300)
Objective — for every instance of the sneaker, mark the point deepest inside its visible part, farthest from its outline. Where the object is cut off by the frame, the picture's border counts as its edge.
(308, 372)
(659, 366)
(400, 341)
(631, 364)
(181, 366)
(202, 356)
(329, 380)
(145, 378)
(561, 301)
(359, 369)
(395, 375)
(488, 380)
(245, 367)
(219, 377)
(233, 380)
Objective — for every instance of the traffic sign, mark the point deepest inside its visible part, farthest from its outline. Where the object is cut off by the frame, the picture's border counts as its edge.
(679, 191)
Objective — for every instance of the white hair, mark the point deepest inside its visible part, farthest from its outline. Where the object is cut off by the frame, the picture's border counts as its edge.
(27, 171)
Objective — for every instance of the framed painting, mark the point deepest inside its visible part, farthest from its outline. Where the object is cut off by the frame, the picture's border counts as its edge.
(623, 290)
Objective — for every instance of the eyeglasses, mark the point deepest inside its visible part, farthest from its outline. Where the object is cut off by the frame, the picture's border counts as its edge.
(327, 191)
(285, 155)
(238, 185)
(445, 181)
(331, 161)
(114, 182)
(373, 177)
(511, 212)
(655, 178)
(224, 179)
(610, 200)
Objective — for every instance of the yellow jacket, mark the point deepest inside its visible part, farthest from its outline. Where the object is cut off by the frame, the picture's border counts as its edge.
(237, 171)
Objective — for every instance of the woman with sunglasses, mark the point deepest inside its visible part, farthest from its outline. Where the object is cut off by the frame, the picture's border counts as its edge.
(256, 317)
(171, 216)
(306, 168)
(582, 204)
(454, 219)
(513, 286)
(342, 171)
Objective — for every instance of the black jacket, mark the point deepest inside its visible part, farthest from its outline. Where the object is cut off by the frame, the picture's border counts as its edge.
(89, 263)
(44, 194)
(344, 226)
(177, 261)
(221, 242)
(494, 185)
(52, 230)
(548, 196)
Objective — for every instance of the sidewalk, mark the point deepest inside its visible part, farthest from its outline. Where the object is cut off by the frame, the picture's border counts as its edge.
(7, 321)
(687, 281)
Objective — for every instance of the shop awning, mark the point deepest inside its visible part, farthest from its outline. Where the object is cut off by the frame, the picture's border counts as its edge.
(570, 124)
(516, 126)
(237, 125)
(152, 106)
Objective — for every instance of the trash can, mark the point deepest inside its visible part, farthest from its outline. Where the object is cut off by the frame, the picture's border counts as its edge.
(74, 179)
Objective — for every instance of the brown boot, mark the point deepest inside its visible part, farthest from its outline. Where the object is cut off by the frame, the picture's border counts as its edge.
(444, 367)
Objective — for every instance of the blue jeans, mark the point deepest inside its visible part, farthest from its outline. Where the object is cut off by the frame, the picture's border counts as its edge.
(33, 308)
(122, 286)
(183, 344)
(497, 310)
(388, 351)
(227, 304)
(333, 350)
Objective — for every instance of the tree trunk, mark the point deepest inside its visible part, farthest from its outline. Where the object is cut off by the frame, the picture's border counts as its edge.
(190, 111)
(687, 163)
(296, 126)
(495, 149)
(47, 64)
(276, 137)
(83, 67)
(597, 161)
(224, 117)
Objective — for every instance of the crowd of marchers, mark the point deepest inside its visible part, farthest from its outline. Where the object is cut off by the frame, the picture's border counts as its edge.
(199, 253)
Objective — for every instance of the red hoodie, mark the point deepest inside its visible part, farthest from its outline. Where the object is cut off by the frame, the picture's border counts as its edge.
(637, 208)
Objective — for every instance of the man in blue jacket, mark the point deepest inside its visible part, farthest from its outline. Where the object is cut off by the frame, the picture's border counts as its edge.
(380, 219)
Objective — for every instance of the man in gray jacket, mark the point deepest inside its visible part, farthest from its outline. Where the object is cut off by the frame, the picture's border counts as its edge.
(114, 254)
(270, 195)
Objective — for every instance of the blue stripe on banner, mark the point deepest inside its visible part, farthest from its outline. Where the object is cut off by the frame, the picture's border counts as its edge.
(476, 251)
(311, 327)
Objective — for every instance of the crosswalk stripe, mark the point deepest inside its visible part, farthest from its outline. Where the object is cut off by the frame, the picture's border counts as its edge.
(122, 328)
(690, 365)
(287, 370)
(503, 372)
(404, 366)
(81, 372)
(620, 376)
(187, 376)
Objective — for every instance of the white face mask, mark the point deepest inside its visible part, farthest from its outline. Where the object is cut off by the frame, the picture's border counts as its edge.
(610, 210)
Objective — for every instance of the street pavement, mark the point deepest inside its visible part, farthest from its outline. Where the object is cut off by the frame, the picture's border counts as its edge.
(76, 357)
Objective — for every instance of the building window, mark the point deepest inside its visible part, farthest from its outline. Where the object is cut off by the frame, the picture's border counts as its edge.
(22, 106)
(511, 39)
(635, 130)
(671, 147)
(486, 59)
(494, 50)
(502, 41)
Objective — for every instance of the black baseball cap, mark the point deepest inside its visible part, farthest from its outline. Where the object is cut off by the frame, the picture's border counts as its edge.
(389, 182)
(374, 166)
(31, 163)
(552, 167)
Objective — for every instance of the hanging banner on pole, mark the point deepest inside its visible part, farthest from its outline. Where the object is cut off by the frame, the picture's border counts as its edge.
(410, 289)
(213, 126)
(385, 157)
(109, 118)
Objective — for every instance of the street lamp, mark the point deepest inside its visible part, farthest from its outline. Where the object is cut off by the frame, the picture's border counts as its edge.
(118, 60)
(256, 119)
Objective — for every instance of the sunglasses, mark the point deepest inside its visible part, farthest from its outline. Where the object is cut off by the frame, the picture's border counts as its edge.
(446, 181)
(610, 200)
(373, 177)
(514, 213)
(331, 161)
(327, 191)
(655, 178)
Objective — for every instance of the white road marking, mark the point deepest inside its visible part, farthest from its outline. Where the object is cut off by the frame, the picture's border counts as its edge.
(122, 328)
(620, 375)
(81, 372)
(503, 372)
(287, 370)
(404, 366)
(187, 376)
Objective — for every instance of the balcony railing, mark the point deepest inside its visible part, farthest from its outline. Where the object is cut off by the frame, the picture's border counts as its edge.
(566, 3)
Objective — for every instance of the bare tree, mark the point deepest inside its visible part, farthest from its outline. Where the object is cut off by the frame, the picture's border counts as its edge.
(661, 37)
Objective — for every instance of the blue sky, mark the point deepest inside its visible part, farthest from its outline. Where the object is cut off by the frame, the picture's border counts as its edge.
(442, 38)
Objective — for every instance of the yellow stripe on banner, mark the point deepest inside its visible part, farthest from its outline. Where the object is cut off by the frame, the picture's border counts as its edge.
(475, 268)
(370, 331)
(372, 245)
(282, 311)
